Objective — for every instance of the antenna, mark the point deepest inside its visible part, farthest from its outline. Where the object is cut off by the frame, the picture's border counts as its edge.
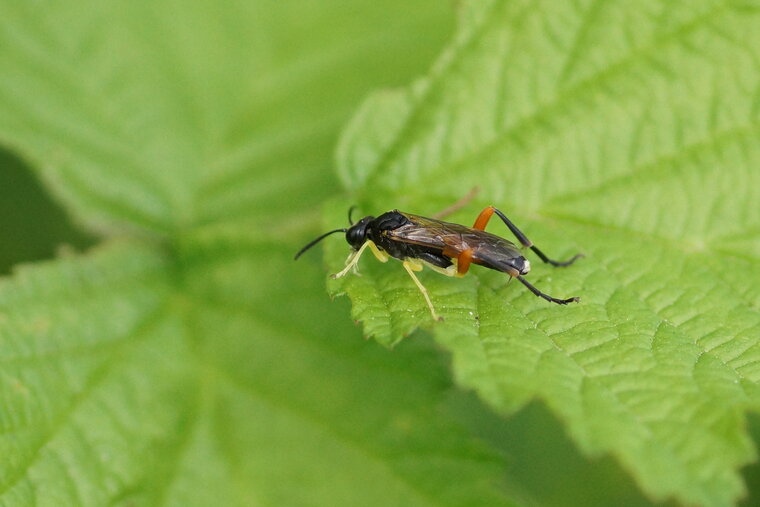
(317, 240)
(351, 212)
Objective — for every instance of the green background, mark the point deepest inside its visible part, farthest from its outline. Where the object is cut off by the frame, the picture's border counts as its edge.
(542, 464)
(544, 468)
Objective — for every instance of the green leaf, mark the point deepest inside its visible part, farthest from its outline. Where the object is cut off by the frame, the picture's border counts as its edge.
(624, 130)
(193, 363)
(160, 393)
(145, 115)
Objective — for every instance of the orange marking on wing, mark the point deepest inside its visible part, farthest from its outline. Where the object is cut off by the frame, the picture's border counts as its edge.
(483, 218)
(463, 261)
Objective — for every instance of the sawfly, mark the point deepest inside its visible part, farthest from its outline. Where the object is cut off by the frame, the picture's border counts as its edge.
(445, 247)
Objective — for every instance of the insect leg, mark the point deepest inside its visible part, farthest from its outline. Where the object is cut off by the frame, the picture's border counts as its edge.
(440, 263)
(463, 262)
(450, 271)
(485, 216)
(546, 296)
(409, 269)
(379, 254)
(353, 260)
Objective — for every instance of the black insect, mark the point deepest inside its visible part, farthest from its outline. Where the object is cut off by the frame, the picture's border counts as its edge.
(445, 247)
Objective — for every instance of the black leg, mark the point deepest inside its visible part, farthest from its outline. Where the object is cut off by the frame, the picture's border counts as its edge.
(523, 239)
(546, 296)
(544, 258)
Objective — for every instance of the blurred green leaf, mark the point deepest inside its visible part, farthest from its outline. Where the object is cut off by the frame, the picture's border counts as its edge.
(191, 363)
(184, 392)
(33, 227)
(543, 462)
(625, 130)
(145, 114)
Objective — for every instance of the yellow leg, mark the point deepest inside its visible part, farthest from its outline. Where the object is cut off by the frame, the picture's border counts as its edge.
(411, 268)
(352, 260)
(379, 254)
(450, 271)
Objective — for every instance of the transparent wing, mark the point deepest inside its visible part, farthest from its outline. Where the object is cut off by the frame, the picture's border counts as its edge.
(454, 238)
